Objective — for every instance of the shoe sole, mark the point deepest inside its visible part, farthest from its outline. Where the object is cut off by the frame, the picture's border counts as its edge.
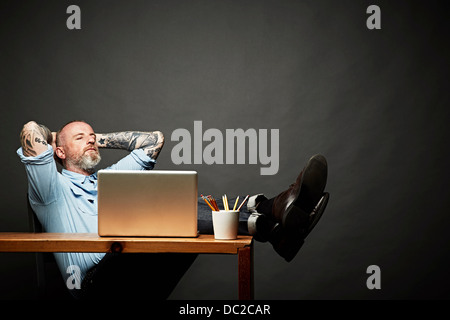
(312, 185)
(288, 246)
(318, 211)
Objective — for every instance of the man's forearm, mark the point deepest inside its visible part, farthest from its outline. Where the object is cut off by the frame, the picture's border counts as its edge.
(34, 139)
(150, 142)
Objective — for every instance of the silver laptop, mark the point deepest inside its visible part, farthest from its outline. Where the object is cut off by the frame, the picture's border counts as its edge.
(156, 203)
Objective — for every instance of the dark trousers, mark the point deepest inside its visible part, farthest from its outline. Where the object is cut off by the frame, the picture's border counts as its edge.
(147, 275)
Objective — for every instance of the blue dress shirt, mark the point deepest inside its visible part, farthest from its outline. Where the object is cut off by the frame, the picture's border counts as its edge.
(67, 202)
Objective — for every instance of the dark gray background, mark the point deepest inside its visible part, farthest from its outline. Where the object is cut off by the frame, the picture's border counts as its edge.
(374, 102)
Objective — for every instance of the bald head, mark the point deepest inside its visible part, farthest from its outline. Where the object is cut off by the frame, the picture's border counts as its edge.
(67, 129)
(76, 147)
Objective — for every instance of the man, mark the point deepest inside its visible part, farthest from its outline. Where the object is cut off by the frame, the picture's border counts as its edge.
(67, 202)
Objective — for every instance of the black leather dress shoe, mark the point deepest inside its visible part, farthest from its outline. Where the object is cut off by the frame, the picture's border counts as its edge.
(286, 220)
(264, 228)
(293, 207)
(287, 245)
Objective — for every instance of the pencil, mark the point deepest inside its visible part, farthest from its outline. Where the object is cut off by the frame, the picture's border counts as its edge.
(208, 203)
(235, 204)
(243, 201)
(225, 202)
(214, 203)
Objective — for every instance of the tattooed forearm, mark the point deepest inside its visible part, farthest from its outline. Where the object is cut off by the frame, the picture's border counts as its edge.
(150, 142)
(27, 145)
(34, 138)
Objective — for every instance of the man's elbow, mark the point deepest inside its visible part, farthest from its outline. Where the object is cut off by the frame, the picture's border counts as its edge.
(26, 129)
(32, 128)
(30, 125)
(154, 149)
(160, 138)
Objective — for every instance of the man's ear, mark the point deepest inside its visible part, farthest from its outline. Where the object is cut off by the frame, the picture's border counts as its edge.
(59, 151)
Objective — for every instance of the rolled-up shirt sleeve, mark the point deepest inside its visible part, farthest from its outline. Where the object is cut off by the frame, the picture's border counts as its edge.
(42, 176)
(136, 160)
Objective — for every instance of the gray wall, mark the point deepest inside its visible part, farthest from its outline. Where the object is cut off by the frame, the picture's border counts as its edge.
(374, 102)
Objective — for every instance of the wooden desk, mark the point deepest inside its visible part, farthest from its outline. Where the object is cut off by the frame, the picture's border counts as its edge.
(91, 242)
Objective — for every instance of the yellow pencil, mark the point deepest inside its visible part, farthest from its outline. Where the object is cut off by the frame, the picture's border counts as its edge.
(225, 203)
(235, 204)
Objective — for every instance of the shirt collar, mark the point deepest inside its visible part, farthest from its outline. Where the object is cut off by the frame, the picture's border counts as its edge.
(79, 178)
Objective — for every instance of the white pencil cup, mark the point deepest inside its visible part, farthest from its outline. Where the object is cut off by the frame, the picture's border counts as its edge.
(225, 224)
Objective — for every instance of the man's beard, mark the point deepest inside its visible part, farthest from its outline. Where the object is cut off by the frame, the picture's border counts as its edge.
(87, 162)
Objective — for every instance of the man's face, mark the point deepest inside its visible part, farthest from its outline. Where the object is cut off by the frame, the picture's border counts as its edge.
(80, 148)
